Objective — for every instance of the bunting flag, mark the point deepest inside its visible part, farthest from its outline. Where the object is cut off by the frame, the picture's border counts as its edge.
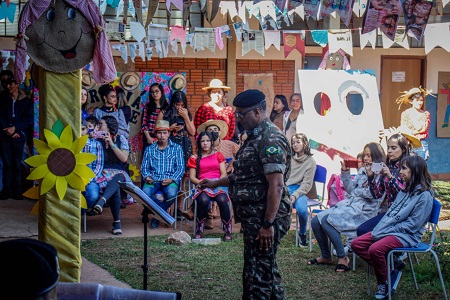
(226, 30)
(299, 10)
(187, 12)
(368, 37)
(152, 7)
(272, 37)
(123, 49)
(341, 39)
(327, 7)
(8, 11)
(228, 7)
(177, 3)
(312, 8)
(359, 7)
(137, 31)
(178, 33)
(245, 7)
(215, 9)
(253, 40)
(384, 15)
(267, 8)
(219, 41)
(132, 50)
(399, 39)
(138, 7)
(293, 40)
(437, 35)
(281, 4)
(417, 20)
(345, 11)
(320, 37)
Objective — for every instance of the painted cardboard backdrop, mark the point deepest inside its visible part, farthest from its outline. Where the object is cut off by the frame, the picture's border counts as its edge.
(262, 82)
(443, 105)
(339, 128)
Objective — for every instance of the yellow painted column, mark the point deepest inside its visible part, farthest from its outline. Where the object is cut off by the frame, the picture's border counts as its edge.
(59, 220)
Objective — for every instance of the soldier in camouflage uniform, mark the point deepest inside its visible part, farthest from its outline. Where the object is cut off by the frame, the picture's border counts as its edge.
(259, 195)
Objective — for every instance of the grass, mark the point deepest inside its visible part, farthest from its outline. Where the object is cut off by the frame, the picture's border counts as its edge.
(442, 192)
(214, 272)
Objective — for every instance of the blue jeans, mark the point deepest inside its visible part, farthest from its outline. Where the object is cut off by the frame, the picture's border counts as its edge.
(169, 191)
(422, 151)
(301, 206)
(92, 193)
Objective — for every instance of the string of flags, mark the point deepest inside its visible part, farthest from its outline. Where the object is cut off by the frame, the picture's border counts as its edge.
(380, 16)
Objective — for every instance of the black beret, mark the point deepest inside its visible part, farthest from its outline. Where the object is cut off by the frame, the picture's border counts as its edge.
(29, 268)
(248, 98)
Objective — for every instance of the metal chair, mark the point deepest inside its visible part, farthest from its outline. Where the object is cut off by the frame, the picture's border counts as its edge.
(321, 177)
(421, 248)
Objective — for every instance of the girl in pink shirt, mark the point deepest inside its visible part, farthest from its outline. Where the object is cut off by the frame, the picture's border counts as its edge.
(211, 165)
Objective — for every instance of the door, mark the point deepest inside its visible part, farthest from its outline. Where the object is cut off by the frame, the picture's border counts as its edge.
(398, 74)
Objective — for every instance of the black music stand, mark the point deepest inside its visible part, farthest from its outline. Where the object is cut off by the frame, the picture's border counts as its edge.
(150, 207)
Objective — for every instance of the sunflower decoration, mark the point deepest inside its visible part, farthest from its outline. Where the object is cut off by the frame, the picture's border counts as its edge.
(60, 163)
(135, 173)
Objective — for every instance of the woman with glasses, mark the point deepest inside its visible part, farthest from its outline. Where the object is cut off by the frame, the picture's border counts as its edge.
(290, 123)
(156, 101)
(216, 109)
(414, 120)
(109, 108)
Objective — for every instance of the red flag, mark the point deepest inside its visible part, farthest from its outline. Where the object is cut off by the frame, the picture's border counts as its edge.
(293, 41)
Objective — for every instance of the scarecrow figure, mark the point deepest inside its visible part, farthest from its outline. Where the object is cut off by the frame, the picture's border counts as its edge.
(61, 37)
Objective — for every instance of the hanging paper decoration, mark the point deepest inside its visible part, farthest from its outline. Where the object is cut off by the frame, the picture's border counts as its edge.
(204, 38)
(334, 61)
(227, 31)
(312, 8)
(399, 39)
(252, 40)
(138, 7)
(271, 37)
(370, 37)
(8, 10)
(178, 33)
(219, 40)
(416, 17)
(293, 40)
(437, 35)
(177, 3)
(215, 9)
(151, 10)
(187, 12)
(320, 37)
(383, 14)
(345, 10)
(327, 7)
(228, 7)
(341, 39)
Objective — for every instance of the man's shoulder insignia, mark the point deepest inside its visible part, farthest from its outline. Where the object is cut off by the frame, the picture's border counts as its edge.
(272, 150)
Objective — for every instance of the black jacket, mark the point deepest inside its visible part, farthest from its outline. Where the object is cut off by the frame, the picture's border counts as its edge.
(23, 115)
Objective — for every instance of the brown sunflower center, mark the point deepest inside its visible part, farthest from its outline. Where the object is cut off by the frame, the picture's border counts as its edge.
(61, 162)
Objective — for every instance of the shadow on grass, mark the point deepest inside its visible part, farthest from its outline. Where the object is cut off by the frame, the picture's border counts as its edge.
(214, 272)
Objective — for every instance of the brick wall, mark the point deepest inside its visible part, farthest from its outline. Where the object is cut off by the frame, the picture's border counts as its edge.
(283, 73)
(200, 71)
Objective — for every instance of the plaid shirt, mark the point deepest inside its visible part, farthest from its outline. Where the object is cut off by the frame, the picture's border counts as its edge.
(383, 184)
(96, 148)
(206, 113)
(161, 164)
(149, 120)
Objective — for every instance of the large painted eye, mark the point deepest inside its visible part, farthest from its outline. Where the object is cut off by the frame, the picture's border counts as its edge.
(331, 58)
(337, 58)
(71, 13)
(51, 14)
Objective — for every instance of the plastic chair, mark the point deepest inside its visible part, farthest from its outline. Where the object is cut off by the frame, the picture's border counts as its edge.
(321, 177)
(421, 248)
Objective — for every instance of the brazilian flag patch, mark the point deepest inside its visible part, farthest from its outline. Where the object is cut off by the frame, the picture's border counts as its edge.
(272, 150)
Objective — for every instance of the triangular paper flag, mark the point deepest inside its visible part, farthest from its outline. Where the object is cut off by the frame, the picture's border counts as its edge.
(341, 39)
(177, 3)
(267, 8)
(293, 40)
(228, 7)
(272, 37)
(437, 35)
(8, 11)
(399, 39)
(368, 37)
(178, 32)
(320, 37)
(137, 31)
(219, 41)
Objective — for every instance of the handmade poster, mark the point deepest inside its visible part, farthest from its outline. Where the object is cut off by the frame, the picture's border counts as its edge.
(416, 17)
(339, 129)
(327, 7)
(443, 105)
(383, 14)
(293, 40)
(262, 82)
(345, 11)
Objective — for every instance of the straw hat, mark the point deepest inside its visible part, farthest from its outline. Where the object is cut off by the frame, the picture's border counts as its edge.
(415, 142)
(178, 82)
(130, 81)
(87, 79)
(223, 127)
(162, 125)
(404, 98)
(216, 84)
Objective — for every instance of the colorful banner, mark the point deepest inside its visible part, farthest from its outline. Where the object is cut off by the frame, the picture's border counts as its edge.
(416, 17)
(293, 41)
(383, 14)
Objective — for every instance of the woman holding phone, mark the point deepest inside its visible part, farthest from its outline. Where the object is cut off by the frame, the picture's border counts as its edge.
(403, 224)
(344, 218)
(390, 182)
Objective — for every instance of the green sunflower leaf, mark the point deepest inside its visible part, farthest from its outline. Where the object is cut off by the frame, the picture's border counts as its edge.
(57, 128)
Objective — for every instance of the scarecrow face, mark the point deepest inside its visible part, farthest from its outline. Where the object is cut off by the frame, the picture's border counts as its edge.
(61, 40)
(335, 61)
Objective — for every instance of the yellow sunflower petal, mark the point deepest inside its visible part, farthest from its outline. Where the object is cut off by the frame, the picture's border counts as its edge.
(78, 144)
(32, 193)
(83, 202)
(61, 187)
(66, 137)
(35, 209)
(86, 180)
(48, 182)
(52, 140)
(83, 171)
(85, 158)
(37, 160)
(39, 172)
(42, 147)
(76, 182)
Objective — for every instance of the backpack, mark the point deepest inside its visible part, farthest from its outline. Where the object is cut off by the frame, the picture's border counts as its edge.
(336, 191)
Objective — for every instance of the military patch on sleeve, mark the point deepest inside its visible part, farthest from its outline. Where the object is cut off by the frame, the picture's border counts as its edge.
(272, 150)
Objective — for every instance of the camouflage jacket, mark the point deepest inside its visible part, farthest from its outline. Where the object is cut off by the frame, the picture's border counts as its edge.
(265, 151)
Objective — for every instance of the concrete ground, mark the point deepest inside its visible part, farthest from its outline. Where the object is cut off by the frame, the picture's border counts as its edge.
(17, 222)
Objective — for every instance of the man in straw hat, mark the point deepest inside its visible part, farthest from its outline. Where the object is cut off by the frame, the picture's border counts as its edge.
(260, 198)
(162, 168)
(215, 109)
(218, 130)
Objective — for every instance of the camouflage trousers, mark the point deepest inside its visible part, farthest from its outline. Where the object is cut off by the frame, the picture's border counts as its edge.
(261, 277)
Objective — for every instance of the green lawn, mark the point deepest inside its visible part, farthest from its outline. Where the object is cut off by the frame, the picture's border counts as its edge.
(214, 272)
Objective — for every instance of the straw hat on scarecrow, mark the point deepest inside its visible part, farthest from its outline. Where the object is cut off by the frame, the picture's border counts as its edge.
(407, 96)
